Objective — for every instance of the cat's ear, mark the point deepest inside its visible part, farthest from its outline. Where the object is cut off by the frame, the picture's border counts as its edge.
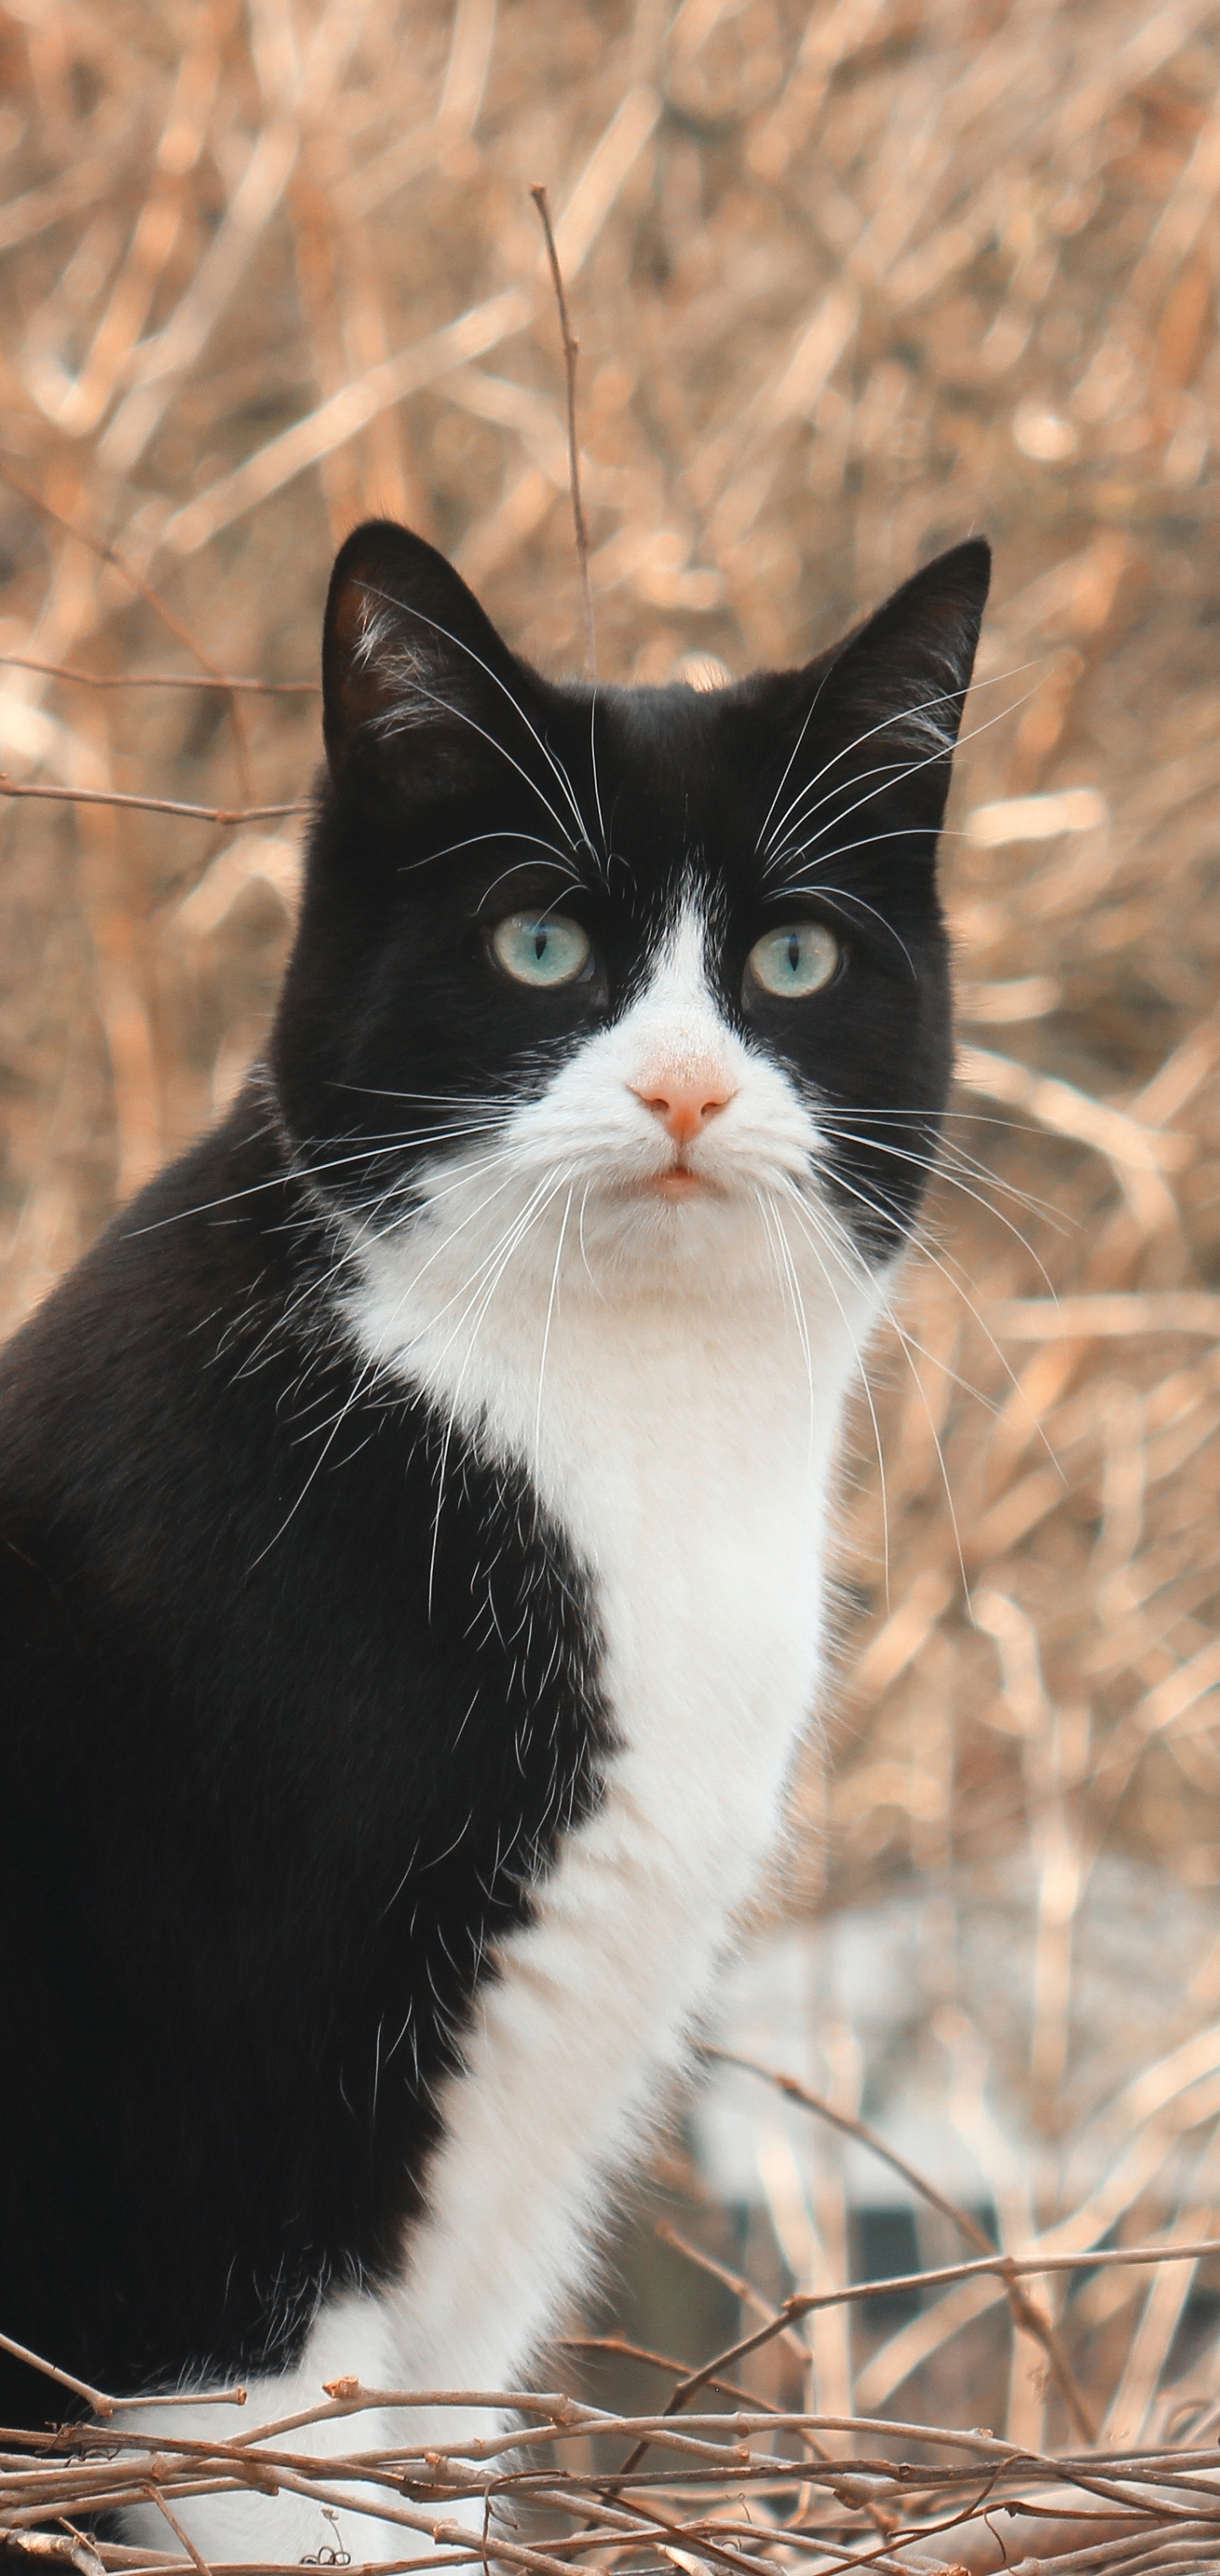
(891, 695)
(415, 679)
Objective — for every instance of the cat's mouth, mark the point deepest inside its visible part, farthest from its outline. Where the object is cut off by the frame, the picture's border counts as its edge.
(678, 1181)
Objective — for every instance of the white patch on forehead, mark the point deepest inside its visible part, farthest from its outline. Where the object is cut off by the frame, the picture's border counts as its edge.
(675, 1016)
(679, 976)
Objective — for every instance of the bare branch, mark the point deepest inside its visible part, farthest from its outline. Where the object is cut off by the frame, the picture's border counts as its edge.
(571, 351)
(94, 2397)
(228, 814)
(1025, 2312)
(161, 679)
(1102, 2511)
(109, 554)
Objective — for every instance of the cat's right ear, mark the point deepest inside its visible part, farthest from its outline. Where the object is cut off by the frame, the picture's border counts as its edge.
(416, 683)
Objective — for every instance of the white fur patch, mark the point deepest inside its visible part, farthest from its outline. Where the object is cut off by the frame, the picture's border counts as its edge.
(671, 1376)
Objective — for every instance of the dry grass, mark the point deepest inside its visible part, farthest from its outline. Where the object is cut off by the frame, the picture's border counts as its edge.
(850, 280)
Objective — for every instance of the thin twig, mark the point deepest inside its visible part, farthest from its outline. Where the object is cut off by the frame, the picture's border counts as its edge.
(749, 2297)
(179, 2531)
(571, 351)
(1026, 2314)
(735, 2282)
(109, 554)
(94, 2397)
(161, 679)
(228, 814)
(622, 2350)
(1003, 2267)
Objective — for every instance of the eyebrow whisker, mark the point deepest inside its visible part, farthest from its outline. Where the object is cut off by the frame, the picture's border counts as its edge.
(912, 769)
(902, 715)
(472, 842)
(827, 894)
(556, 767)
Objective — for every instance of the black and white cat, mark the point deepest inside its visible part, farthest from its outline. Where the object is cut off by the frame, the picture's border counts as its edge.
(413, 1510)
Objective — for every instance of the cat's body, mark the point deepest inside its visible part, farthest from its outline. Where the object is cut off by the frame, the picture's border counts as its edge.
(414, 1513)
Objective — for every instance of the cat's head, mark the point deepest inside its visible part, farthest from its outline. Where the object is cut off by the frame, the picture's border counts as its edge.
(657, 973)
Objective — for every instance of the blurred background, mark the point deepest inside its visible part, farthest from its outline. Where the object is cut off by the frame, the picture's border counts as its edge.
(850, 281)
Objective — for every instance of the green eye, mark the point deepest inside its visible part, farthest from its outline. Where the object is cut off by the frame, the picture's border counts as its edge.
(540, 948)
(795, 961)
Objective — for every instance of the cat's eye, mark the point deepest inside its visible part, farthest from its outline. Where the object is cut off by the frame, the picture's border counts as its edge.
(540, 948)
(793, 962)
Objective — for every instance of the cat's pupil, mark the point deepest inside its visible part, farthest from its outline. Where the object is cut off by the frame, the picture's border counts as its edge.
(795, 961)
(548, 952)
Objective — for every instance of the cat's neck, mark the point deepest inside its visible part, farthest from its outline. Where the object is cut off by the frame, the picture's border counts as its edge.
(704, 1385)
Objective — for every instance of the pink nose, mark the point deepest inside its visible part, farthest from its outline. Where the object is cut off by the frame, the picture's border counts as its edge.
(684, 1102)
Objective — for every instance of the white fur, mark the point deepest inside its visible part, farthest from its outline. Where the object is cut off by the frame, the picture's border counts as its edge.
(674, 1392)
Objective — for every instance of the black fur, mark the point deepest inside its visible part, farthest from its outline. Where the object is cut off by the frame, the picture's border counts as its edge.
(285, 1740)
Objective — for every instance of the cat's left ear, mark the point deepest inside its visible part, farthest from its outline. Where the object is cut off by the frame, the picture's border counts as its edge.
(416, 683)
(894, 689)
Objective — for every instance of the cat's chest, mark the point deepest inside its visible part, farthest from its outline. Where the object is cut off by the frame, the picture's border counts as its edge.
(684, 1454)
(678, 1455)
(684, 1473)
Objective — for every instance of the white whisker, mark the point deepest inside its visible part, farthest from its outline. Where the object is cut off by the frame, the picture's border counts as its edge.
(922, 1245)
(569, 875)
(550, 1313)
(535, 1207)
(367, 1373)
(895, 717)
(890, 772)
(788, 1280)
(473, 841)
(556, 766)
(827, 895)
(900, 774)
(762, 837)
(595, 1284)
(940, 1170)
(845, 848)
(805, 1214)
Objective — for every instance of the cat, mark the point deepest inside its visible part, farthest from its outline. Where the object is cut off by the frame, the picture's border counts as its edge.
(414, 1511)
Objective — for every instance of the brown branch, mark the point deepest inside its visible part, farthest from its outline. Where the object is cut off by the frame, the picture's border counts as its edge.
(794, 2092)
(624, 2351)
(178, 2529)
(1119, 2481)
(734, 2282)
(1026, 2314)
(229, 814)
(160, 679)
(1158, 2502)
(94, 2397)
(745, 2291)
(109, 554)
(62, 2548)
(571, 351)
(1003, 2267)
